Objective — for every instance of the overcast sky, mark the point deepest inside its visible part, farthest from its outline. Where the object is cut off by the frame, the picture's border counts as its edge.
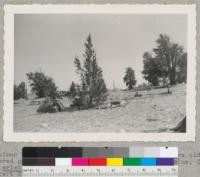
(49, 42)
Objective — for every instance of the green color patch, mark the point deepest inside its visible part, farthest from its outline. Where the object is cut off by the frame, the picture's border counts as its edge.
(132, 162)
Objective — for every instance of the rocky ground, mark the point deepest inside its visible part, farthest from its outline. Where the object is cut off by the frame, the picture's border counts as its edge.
(154, 111)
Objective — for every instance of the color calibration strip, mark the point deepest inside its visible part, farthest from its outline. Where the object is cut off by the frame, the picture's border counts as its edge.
(95, 156)
(99, 162)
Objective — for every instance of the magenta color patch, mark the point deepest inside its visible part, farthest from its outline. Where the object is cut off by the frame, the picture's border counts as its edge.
(79, 162)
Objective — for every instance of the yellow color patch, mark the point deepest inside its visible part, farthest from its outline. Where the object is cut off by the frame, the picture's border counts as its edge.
(114, 161)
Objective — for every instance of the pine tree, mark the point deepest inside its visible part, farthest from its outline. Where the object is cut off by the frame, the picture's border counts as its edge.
(20, 91)
(169, 53)
(42, 85)
(153, 69)
(92, 82)
(129, 78)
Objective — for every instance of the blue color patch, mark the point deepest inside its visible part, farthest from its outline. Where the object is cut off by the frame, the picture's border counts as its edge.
(148, 161)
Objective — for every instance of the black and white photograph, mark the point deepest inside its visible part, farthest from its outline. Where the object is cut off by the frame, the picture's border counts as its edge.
(101, 69)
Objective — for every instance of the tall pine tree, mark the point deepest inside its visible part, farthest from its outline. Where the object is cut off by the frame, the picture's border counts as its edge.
(92, 82)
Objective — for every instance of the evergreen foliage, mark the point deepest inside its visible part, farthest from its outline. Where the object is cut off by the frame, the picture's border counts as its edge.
(169, 63)
(42, 85)
(92, 88)
(20, 91)
(129, 78)
(152, 69)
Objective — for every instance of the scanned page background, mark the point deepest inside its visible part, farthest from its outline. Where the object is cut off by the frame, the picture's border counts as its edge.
(189, 161)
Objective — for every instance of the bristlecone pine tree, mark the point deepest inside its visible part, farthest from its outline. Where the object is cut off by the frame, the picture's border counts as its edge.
(42, 85)
(93, 87)
(129, 78)
(20, 91)
(169, 54)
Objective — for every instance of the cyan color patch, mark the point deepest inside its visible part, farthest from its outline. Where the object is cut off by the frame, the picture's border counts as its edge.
(148, 161)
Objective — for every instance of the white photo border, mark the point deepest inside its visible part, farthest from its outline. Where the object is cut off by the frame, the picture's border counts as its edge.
(10, 10)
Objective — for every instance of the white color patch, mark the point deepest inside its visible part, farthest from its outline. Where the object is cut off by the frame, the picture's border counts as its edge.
(63, 162)
(169, 152)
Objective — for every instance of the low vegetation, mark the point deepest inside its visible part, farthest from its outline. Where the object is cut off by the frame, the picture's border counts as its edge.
(50, 105)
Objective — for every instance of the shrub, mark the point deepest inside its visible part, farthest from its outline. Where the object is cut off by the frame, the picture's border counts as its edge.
(81, 102)
(50, 105)
(137, 94)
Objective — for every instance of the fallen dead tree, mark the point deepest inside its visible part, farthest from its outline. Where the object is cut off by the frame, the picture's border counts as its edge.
(113, 104)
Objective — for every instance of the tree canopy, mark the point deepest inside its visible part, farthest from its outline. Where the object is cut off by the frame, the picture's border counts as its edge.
(169, 62)
(20, 91)
(129, 78)
(42, 85)
(152, 69)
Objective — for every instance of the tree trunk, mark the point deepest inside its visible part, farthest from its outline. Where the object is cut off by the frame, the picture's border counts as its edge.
(90, 101)
(130, 87)
(173, 76)
(168, 89)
